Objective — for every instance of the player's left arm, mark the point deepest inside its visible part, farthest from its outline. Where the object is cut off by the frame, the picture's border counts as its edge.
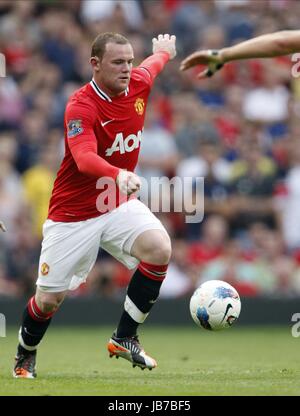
(164, 49)
(2, 226)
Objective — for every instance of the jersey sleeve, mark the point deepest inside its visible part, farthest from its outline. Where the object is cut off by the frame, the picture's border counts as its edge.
(81, 139)
(79, 123)
(152, 66)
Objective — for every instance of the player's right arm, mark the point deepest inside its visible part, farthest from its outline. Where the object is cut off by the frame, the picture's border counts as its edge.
(83, 145)
(265, 46)
(79, 121)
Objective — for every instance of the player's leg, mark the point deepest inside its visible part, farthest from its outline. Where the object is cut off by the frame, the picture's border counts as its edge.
(68, 250)
(135, 237)
(153, 249)
(36, 319)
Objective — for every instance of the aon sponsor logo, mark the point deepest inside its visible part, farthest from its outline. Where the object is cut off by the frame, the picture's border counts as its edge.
(122, 145)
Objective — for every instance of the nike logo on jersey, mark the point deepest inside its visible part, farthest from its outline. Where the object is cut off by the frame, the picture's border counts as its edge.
(103, 123)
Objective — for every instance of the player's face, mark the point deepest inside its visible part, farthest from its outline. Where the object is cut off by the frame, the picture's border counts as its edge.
(115, 68)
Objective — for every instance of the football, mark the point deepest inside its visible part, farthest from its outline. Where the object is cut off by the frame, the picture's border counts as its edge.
(215, 305)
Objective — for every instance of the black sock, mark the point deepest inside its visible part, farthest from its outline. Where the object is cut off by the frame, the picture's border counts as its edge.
(142, 293)
(33, 327)
(127, 326)
(23, 351)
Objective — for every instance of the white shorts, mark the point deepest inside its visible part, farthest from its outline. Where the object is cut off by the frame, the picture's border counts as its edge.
(70, 249)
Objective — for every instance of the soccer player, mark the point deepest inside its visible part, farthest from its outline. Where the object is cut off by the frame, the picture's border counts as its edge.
(265, 46)
(103, 128)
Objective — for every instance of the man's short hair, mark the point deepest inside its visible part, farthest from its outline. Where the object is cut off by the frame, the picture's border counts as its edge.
(99, 44)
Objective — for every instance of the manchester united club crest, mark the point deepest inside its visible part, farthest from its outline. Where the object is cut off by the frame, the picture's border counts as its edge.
(139, 106)
(45, 269)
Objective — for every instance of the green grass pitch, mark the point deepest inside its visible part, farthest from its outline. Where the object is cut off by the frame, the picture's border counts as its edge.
(191, 362)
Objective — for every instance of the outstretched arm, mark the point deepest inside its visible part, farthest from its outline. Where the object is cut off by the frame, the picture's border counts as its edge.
(265, 46)
(163, 48)
(2, 226)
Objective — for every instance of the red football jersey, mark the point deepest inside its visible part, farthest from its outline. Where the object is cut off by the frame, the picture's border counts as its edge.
(116, 124)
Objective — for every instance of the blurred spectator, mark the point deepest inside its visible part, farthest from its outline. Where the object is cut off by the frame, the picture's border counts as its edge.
(8, 288)
(11, 190)
(192, 18)
(229, 121)
(287, 199)
(270, 272)
(210, 245)
(108, 278)
(209, 164)
(129, 10)
(11, 104)
(60, 36)
(252, 184)
(283, 267)
(38, 183)
(20, 35)
(249, 278)
(192, 123)
(23, 256)
(269, 103)
(31, 135)
(178, 283)
(157, 19)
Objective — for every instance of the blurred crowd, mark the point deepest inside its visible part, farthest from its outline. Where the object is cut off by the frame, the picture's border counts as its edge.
(240, 130)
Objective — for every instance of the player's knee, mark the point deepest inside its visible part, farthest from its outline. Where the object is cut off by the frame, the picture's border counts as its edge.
(48, 302)
(160, 251)
(153, 246)
(48, 307)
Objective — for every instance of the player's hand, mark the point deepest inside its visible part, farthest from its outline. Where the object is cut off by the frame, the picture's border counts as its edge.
(165, 43)
(211, 58)
(2, 226)
(128, 182)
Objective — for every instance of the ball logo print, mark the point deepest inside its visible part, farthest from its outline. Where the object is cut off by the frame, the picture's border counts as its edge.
(215, 305)
(225, 292)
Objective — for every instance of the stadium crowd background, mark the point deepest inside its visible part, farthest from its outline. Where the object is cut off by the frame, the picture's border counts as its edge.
(239, 130)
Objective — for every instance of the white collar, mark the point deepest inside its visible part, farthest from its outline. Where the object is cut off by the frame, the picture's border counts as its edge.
(101, 93)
